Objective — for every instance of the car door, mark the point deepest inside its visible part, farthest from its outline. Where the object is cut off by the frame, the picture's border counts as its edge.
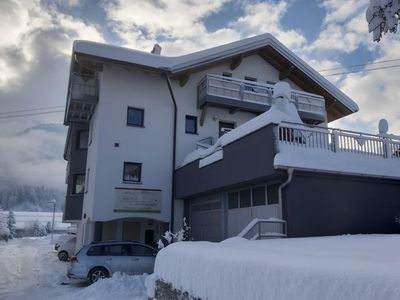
(142, 258)
(118, 258)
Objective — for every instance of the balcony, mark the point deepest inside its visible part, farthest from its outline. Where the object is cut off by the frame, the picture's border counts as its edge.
(254, 96)
(82, 99)
(338, 151)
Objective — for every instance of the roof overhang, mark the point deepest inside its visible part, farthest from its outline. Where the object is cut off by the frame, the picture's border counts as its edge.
(269, 48)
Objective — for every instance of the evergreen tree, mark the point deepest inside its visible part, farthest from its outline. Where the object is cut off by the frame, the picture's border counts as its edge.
(11, 225)
(48, 227)
(38, 229)
(4, 232)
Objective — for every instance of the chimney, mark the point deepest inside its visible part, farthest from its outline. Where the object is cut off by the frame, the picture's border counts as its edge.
(156, 49)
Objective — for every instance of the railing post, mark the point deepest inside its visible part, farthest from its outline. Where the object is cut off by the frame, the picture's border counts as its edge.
(241, 91)
(386, 148)
(335, 141)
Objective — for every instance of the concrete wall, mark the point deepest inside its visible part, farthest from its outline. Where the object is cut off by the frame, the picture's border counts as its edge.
(246, 161)
(151, 145)
(317, 204)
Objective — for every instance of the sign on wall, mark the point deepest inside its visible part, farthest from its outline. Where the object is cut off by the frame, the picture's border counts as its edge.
(137, 200)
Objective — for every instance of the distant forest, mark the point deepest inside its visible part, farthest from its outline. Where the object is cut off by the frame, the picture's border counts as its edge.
(22, 197)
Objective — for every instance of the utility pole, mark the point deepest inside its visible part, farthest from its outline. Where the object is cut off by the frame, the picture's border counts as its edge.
(53, 201)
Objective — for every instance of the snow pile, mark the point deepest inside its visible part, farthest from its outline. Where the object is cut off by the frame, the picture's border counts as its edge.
(341, 267)
(282, 110)
(120, 286)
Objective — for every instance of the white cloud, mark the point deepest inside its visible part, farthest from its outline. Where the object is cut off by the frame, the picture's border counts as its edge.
(32, 156)
(179, 27)
(266, 17)
(29, 31)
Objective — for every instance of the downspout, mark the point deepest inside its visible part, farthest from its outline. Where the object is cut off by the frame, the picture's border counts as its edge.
(171, 224)
(283, 185)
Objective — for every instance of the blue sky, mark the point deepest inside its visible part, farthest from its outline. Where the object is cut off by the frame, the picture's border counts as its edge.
(37, 38)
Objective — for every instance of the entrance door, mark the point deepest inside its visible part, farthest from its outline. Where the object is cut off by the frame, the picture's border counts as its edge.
(225, 127)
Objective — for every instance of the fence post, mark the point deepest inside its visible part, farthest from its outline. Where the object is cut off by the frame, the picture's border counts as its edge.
(335, 141)
(241, 91)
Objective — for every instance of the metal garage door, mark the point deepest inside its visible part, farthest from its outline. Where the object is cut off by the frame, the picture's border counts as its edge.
(206, 219)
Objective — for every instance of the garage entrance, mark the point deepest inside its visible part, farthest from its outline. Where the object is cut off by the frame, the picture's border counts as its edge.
(206, 218)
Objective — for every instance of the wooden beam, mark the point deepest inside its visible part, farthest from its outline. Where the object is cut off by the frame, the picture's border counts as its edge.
(286, 72)
(203, 114)
(236, 62)
(183, 79)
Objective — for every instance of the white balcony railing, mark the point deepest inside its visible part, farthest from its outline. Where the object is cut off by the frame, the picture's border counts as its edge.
(337, 140)
(256, 92)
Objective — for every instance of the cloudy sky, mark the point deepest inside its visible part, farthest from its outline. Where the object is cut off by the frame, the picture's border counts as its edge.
(37, 38)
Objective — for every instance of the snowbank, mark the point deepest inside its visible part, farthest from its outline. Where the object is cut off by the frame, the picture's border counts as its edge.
(121, 286)
(341, 267)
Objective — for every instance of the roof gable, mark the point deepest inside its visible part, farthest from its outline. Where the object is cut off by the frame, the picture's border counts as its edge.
(269, 48)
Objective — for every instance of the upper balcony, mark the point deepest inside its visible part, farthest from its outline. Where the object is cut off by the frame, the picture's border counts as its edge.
(253, 96)
(82, 98)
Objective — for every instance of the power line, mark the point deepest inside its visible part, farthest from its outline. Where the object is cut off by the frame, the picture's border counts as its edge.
(33, 109)
(31, 114)
(360, 65)
(366, 70)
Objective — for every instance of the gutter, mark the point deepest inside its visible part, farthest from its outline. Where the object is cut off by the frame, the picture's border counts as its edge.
(171, 224)
(283, 185)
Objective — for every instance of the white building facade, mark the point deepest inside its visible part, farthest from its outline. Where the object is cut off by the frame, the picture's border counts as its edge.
(143, 113)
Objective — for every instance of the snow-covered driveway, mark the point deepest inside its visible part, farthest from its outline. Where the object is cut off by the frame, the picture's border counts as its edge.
(29, 266)
(30, 269)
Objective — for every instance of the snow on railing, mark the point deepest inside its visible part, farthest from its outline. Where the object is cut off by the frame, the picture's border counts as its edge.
(262, 234)
(252, 91)
(338, 140)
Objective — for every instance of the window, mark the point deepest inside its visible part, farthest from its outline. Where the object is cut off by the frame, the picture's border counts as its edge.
(83, 139)
(191, 124)
(250, 78)
(119, 250)
(87, 180)
(245, 198)
(226, 74)
(233, 200)
(132, 172)
(138, 250)
(78, 184)
(258, 196)
(273, 194)
(95, 251)
(225, 127)
(135, 117)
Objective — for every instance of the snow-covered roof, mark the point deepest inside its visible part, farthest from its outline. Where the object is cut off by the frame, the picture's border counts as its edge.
(181, 64)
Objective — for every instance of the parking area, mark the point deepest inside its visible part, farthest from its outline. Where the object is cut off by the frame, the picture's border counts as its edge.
(30, 269)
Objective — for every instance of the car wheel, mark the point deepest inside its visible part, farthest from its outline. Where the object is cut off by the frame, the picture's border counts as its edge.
(63, 255)
(97, 273)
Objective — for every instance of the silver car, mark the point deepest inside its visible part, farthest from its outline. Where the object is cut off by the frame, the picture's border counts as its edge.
(101, 259)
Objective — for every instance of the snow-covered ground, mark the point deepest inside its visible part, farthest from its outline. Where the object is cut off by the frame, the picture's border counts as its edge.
(341, 267)
(30, 269)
